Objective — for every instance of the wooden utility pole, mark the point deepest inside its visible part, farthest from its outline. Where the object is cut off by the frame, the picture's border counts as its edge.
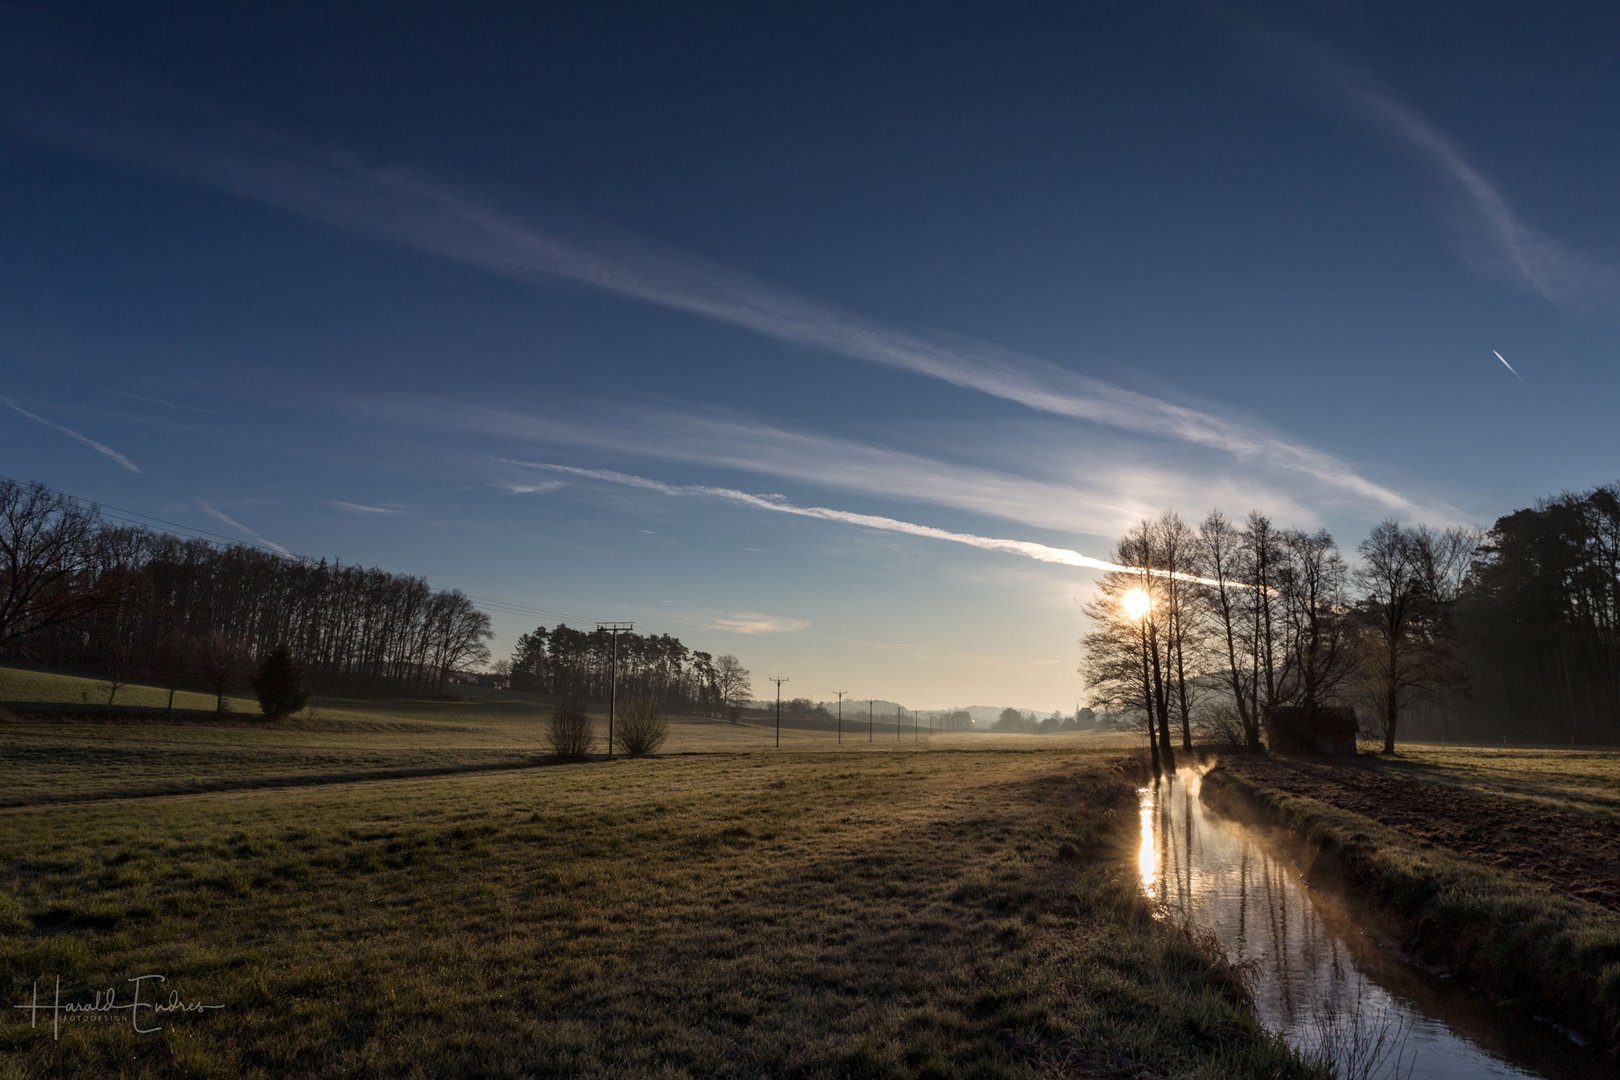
(614, 628)
(779, 680)
(840, 694)
(868, 719)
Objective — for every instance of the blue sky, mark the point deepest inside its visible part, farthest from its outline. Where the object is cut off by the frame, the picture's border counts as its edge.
(806, 332)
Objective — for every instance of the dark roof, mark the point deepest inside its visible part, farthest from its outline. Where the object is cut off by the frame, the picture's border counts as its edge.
(1323, 720)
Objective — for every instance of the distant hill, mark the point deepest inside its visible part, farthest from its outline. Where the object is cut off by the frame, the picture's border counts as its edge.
(852, 706)
(983, 715)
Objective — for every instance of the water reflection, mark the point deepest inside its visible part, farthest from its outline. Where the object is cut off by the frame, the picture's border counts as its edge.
(1147, 858)
(1318, 979)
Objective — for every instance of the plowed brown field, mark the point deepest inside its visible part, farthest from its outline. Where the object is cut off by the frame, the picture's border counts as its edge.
(1498, 815)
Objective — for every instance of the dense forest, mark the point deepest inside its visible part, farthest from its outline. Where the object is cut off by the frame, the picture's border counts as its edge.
(1505, 634)
(80, 593)
(1540, 621)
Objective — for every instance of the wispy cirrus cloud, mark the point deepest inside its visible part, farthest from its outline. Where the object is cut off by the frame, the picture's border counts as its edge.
(831, 463)
(754, 622)
(409, 209)
(1099, 490)
(777, 504)
(1504, 242)
(225, 519)
(100, 448)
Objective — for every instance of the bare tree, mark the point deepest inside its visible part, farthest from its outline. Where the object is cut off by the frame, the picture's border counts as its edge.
(47, 562)
(1409, 582)
(222, 663)
(1312, 581)
(1228, 602)
(1262, 558)
(174, 662)
(1134, 653)
(1139, 549)
(1174, 550)
(115, 668)
(1116, 669)
(735, 682)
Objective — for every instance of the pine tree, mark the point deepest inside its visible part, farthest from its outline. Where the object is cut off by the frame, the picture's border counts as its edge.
(280, 684)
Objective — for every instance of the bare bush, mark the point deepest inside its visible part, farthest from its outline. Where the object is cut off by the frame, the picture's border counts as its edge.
(643, 728)
(570, 733)
(1221, 724)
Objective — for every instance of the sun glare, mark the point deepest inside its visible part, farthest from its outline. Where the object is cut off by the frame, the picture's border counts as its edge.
(1147, 856)
(1136, 603)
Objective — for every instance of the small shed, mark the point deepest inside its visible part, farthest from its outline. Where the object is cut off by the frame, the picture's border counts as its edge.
(1325, 731)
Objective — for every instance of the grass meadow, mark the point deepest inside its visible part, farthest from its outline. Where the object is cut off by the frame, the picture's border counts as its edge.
(408, 890)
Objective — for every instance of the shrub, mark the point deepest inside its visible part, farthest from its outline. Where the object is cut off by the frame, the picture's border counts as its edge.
(570, 733)
(642, 729)
(1221, 725)
(280, 684)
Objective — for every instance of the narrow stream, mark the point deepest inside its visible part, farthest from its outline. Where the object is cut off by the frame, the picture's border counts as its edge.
(1319, 979)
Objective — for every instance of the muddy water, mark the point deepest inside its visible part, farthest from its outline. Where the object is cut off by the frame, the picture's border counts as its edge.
(1319, 979)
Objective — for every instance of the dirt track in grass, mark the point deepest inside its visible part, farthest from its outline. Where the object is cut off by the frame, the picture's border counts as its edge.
(1567, 851)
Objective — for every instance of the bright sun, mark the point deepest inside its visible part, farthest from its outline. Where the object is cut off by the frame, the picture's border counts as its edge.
(1136, 603)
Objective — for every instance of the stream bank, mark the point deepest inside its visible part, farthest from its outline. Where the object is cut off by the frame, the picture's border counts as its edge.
(1535, 951)
(1319, 978)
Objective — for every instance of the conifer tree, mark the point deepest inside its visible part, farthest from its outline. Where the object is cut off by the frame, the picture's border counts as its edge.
(279, 682)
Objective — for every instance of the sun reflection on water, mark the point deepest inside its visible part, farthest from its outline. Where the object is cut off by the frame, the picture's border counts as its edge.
(1147, 857)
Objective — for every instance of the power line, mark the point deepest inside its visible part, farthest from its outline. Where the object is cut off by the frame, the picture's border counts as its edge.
(175, 526)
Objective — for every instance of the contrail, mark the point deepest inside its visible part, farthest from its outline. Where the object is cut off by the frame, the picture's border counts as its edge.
(1547, 265)
(70, 433)
(1507, 365)
(225, 519)
(161, 401)
(362, 508)
(777, 504)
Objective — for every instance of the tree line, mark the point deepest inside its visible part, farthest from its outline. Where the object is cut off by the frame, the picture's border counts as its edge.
(1541, 618)
(81, 593)
(579, 664)
(1510, 632)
